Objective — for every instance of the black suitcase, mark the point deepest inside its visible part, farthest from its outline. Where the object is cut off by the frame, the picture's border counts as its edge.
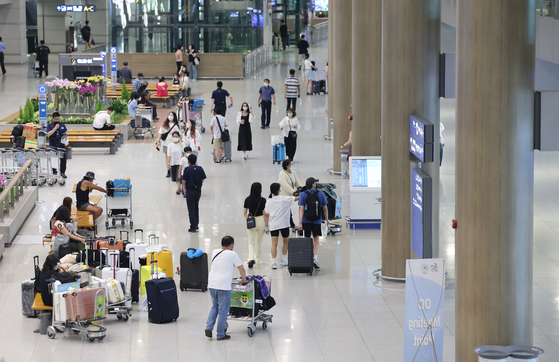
(27, 298)
(194, 272)
(64, 250)
(300, 255)
(315, 87)
(163, 304)
(322, 86)
(135, 290)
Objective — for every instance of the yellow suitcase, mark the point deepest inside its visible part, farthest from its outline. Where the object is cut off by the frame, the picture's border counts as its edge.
(164, 261)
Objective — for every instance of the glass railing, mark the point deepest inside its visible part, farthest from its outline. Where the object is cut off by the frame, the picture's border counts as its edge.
(257, 59)
(319, 32)
(547, 8)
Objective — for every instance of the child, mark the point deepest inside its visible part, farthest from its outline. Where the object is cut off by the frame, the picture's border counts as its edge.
(184, 162)
(176, 79)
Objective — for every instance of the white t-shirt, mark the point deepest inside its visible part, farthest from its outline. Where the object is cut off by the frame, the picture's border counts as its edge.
(175, 151)
(278, 207)
(222, 122)
(101, 119)
(184, 162)
(169, 139)
(441, 137)
(223, 266)
(308, 64)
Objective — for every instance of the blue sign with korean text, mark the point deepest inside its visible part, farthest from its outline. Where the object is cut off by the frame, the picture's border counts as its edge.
(421, 138)
(42, 105)
(76, 8)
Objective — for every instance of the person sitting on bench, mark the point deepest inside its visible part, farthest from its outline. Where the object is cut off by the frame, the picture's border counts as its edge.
(102, 120)
(82, 195)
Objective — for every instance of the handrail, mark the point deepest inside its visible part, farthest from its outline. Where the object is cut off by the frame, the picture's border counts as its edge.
(257, 59)
(14, 189)
(319, 32)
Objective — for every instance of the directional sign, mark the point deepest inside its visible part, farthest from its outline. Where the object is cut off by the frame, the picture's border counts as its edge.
(76, 8)
(421, 138)
(43, 105)
(103, 54)
(113, 67)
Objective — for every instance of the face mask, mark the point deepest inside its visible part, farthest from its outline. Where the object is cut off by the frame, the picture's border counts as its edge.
(176, 139)
(188, 125)
(171, 117)
(55, 120)
(245, 108)
(266, 85)
(56, 267)
(289, 114)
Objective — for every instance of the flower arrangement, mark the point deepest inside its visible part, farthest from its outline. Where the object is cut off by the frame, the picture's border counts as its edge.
(98, 79)
(2, 183)
(88, 89)
(61, 85)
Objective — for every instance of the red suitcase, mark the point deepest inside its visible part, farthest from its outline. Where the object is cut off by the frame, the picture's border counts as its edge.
(86, 304)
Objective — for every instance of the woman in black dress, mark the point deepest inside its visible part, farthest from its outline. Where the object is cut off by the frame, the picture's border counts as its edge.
(244, 119)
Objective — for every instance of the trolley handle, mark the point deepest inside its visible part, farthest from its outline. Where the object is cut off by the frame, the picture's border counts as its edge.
(142, 237)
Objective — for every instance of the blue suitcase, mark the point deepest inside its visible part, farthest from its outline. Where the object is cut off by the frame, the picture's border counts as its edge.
(163, 304)
(278, 153)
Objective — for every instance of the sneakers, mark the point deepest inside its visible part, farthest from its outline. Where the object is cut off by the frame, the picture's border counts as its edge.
(316, 265)
(63, 175)
(284, 262)
(191, 230)
(251, 263)
(225, 337)
(274, 266)
(260, 261)
(245, 158)
(208, 333)
(223, 158)
(168, 173)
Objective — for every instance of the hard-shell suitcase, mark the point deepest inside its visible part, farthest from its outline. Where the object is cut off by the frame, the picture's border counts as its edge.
(300, 255)
(322, 86)
(60, 311)
(120, 274)
(194, 272)
(111, 242)
(28, 297)
(147, 275)
(315, 87)
(135, 283)
(227, 150)
(86, 304)
(278, 151)
(139, 248)
(115, 292)
(163, 304)
(164, 261)
(91, 257)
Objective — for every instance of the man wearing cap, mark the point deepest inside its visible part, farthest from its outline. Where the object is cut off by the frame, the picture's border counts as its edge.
(310, 203)
(82, 195)
(137, 82)
(102, 120)
(56, 131)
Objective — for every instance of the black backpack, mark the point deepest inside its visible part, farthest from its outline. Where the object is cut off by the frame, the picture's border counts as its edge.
(312, 208)
(17, 131)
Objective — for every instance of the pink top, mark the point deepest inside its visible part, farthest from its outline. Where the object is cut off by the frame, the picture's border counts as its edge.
(162, 90)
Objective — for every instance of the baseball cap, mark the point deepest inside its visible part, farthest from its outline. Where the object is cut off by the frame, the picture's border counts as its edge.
(90, 175)
(310, 181)
(140, 74)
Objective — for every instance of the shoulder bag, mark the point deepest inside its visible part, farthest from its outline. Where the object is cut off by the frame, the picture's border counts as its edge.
(216, 255)
(251, 220)
(224, 132)
(292, 134)
(166, 134)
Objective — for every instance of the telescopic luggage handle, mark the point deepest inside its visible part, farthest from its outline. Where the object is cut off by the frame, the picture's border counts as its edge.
(142, 237)
(127, 236)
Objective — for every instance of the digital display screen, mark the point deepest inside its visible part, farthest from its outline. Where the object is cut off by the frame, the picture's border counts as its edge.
(366, 172)
(261, 19)
(320, 5)
(421, 139)
(254, 20)
(273, 3)
(234, 14)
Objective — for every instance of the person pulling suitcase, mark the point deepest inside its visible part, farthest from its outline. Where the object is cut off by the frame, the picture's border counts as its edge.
(310, 218)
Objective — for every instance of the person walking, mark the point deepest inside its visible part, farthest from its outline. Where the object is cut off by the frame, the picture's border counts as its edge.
(2, 48)
(276, 217)
(168, 127)
(309, 74)
(55, 131)
(178, 58)
(219, 99)
(42, 55)
(216, 126)
(125, 73)
(224, 261)
(265, 97)
(86, 35)
(292, 90)
(193, 61)
(193, 137)
(289, 126)
(193, 177)
(283, 33)
(303, 46)
(254, 208)
(173, 158)
(310, 219)
(244, 118)
(289, 183)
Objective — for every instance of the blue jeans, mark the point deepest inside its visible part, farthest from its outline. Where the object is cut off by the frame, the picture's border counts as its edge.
(193, 71)
(221, 302)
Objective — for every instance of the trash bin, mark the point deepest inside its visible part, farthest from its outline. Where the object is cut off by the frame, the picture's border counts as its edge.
(46, 321)
(524, 353)
(508, 353)
(345, 164)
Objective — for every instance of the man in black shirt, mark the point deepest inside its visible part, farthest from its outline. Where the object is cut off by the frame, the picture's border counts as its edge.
(192, 179)
(283, 32)
(303, 46)
(219, 101)
(86, 35)
(42, 55)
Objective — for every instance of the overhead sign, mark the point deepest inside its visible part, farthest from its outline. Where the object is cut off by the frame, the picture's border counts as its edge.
(43, 105)
(76, 8)
(421, 214)
(422, 134)
(424, 317)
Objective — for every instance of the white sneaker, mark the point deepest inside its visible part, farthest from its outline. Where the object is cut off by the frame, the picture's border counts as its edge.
(284, 262)
(260, 261)
(316, 265)
(244, 158)
(274, 266)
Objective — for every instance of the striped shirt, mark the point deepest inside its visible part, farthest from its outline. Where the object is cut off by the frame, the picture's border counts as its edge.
(292, 83)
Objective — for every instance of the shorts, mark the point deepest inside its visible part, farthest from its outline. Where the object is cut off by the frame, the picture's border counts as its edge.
(302, 56)
(284, 232)
(83, 207)
(164, 150)
(315, 229)
(309, 74)
(218, 143)
(175, 173)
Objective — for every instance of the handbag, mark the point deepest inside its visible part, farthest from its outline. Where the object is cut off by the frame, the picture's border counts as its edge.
(196, 61)
(166, 134)
(251, 220)
(291, 134)
(58, 241)
(224, 132)
(92, 41)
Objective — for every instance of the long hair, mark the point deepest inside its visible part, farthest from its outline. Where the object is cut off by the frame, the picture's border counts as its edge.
(274, 190)
(50, 262)
(192, 130)
(255, 194)
(166, 122)
(63, 215)
(67, 203)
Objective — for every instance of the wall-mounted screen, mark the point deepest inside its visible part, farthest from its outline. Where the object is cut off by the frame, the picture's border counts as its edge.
(421, 138)
(366, 172)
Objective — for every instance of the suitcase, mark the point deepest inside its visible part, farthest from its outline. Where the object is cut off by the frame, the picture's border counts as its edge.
(139, 248)
(315, 87)
(194, 272)
(146, 274)
(163, 304)
(91, 257)
(322, 86)
(27, 298)
(278, 152)
(86, 304)
(300, 255)
(111, 242)
(100, 283)
(115, 292)
(164, 261)
(135, 286)
(121, 274)
(59, 308)
(227, 149)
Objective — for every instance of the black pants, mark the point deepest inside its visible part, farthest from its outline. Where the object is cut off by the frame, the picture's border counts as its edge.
(290, 147)
(284, 40)
(2, 63)
(62, 163)
(179, 66)
(292, 103)
(221, 108)
(43, 65)
(154, 107)
(266, 113)
(192, 202)
(105, 128)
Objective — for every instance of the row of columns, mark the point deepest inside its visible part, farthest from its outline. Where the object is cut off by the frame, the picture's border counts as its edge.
(384, 66)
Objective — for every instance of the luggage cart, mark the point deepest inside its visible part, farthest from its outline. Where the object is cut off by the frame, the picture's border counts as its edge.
(55, 154)
(119, 206)
(44, 166)
(9, 163)
(196, 115)
(140, 129)
(33, 66)
(247, 304)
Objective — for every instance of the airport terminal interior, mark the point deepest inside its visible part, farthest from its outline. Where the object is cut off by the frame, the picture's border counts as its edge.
(340, 313)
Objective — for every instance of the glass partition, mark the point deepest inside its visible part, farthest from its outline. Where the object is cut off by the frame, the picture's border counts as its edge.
(547, 8)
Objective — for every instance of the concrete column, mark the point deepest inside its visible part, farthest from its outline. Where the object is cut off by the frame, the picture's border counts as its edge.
(330, 80)
(410, 75)
(494, 174)
(366, 45)
(12, 31)
(342, 76)
(55, 26)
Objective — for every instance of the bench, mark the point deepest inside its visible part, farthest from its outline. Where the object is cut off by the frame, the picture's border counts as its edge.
(77, 141)
(83, 132)
(38, 303)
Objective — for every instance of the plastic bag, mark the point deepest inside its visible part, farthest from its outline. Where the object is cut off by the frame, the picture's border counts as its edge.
(143, 304)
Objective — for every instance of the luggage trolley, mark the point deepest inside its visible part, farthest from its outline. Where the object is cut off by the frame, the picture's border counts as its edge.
(141, 129)
(123, 308)
(194, 109)
(119, 203)
(54, 155)
(34, 67)
(247, 304)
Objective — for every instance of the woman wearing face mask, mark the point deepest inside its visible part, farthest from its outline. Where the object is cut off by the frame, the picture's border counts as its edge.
(290, 127)
(162, 88)
(50, 268)
(193, 67)
(289, 182)
(244, 118)
(193, 138)
(174, 155)
(176, 79)
(170, 125)
(254, 207)
(183, 75)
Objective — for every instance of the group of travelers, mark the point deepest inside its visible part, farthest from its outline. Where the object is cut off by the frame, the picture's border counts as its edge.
(193, 61)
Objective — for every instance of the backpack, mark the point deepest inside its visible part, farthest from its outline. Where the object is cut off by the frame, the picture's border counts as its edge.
(312, 207)
(17, 131)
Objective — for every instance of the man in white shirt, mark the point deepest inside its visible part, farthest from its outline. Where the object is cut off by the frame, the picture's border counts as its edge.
(216, 128)
(102, 120)
(224, 261)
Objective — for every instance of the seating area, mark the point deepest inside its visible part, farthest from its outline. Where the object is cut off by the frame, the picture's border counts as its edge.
(173, 93)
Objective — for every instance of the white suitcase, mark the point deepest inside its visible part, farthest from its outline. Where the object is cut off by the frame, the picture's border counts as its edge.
(135, 251)
(115, 292)
(59, 307)
(120, 274)
(99, 283)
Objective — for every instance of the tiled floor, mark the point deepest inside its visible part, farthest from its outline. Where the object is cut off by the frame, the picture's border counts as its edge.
(341, 313)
